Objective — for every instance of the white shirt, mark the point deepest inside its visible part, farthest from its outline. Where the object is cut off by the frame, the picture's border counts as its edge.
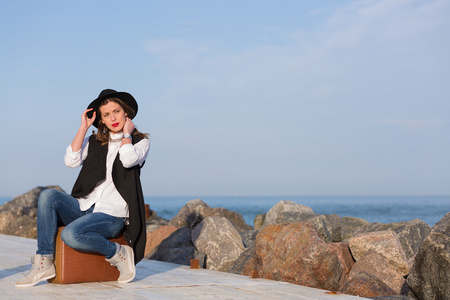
(105, 195)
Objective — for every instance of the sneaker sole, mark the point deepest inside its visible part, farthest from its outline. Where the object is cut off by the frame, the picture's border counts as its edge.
(34, 283)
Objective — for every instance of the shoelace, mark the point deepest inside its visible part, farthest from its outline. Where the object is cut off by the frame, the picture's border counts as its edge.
(121, 265)
(35, 266)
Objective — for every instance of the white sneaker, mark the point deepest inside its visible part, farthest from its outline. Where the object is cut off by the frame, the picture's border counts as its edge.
(123, 260)
(42, 268)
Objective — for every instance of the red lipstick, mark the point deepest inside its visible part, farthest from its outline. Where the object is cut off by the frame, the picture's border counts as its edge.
(115, 124)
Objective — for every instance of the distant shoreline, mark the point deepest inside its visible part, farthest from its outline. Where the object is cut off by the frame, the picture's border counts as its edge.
(381, 209)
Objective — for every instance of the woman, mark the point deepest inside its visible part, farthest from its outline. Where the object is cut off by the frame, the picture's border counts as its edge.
(107, 196)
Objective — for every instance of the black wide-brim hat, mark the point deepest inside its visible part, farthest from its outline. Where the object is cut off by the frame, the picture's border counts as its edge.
(109, 93)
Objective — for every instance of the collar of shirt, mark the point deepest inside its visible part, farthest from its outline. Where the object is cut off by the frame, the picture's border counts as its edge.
(115, 137)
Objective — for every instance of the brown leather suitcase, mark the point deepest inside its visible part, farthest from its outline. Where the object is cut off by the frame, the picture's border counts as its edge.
(74, 266)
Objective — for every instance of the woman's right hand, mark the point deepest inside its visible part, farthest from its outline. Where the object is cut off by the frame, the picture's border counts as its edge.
(86, 122)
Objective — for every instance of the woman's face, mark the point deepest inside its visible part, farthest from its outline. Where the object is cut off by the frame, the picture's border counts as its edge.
(113, 115)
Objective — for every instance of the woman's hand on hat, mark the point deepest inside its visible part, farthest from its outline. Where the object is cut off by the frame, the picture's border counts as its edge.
(128, 127)
(86, 122)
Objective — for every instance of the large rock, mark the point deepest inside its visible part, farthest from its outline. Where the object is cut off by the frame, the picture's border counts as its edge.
(430, 275)
(410, 233)
(296, 253)
(345, 258)
(332, 227)
(28, 199)
(237, 267)
(196, 210)
(154, 238)
(248, 237)
(155, 221)
(322, 223)
(334, 224)
(177, 248)
(287, 212)
(258, 221)
(219, 240)
(376, 265)
(18, 216)
(366, 285)
(349, 225)
(385, 243)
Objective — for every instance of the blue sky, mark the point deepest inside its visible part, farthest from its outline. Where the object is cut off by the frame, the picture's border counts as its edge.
(240, 97)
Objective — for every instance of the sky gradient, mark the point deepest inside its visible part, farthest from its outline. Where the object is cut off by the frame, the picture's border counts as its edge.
(239, 97)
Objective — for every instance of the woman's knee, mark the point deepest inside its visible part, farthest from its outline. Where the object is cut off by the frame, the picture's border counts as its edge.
(47, 197)
(70, 237)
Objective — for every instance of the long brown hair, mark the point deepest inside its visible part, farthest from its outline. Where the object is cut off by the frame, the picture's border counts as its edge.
(103, 133)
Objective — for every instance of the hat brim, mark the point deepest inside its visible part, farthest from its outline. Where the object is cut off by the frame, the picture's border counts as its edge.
(125, 97)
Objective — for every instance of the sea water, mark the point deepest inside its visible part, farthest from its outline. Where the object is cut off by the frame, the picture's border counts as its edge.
(382, 209)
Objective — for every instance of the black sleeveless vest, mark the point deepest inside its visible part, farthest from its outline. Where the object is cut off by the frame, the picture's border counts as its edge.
(128, 184)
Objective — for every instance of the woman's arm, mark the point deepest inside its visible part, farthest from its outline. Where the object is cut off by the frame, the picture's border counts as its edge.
(76, 152)
(86, 122)
(131, 155)
(75, 159)
(128, 128)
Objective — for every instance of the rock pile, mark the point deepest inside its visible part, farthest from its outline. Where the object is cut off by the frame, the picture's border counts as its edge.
(196, 210)
(215, 236)
(291, 243)
(18, 216)
(429, 277)
(297, 253)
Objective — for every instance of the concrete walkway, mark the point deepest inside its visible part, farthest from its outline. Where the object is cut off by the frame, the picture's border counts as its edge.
(154, 280)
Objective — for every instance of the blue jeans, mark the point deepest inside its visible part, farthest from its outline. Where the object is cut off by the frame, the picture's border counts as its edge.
(84, 231)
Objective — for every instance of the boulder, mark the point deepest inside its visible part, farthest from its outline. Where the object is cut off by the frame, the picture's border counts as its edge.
(258, 221)
(18, 224)
(196, 210)
(296, 253)
(177, 248)
(155, 237)
(28, 199)
(323, 226)
(329, 226)
(376, 265)
(385, 243)
(155, 221)
(348, 226)
(219, 240)
(411, 233)
(366, 285)
(18, 216)
(287, 212)
(290, 212)
(346, 260)
(430, 274)
(248, 237)
(238, 265)
(190, 214)
(333, 222)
